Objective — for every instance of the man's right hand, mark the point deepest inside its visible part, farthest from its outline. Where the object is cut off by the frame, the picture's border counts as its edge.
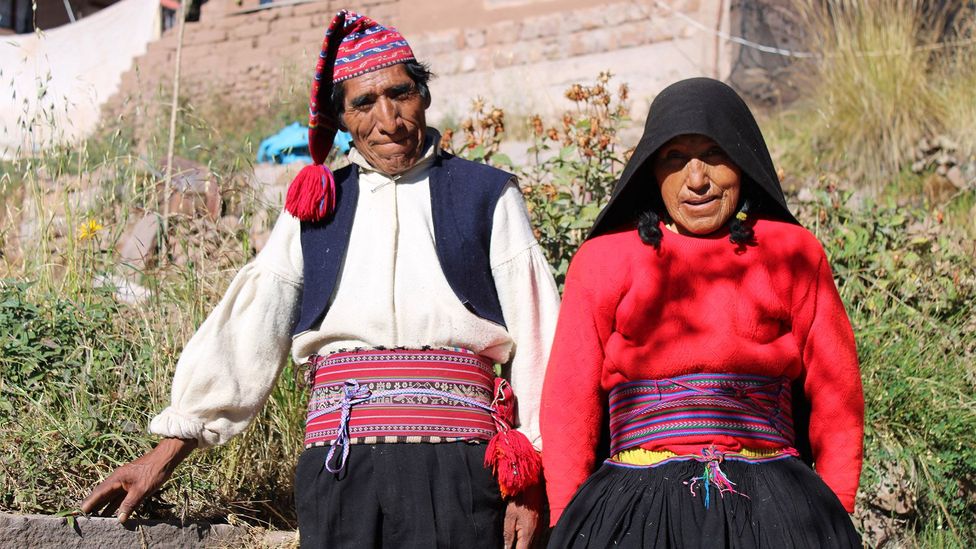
(128, 485)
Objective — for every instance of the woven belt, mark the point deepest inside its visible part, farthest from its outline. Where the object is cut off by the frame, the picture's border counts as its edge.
(400, 396)
(756, 410)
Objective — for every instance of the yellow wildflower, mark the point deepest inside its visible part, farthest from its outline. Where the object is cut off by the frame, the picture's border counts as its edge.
(88, 229)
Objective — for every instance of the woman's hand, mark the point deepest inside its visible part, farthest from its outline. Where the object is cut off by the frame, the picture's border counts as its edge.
(522, 518)
(128, 485)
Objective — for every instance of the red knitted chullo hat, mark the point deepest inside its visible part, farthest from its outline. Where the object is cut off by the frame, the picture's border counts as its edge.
(354, 45)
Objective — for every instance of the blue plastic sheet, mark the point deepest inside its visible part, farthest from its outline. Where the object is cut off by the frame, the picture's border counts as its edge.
(291, 145)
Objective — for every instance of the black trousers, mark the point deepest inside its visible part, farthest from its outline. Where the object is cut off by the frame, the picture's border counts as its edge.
(399, 496)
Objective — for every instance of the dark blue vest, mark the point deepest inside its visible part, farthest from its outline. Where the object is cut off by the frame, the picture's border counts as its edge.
(463, 195)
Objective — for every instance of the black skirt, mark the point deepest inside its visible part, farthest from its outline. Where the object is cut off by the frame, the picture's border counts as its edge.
(781, 504)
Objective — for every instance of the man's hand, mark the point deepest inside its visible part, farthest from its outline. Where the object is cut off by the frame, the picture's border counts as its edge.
(128, 485)
(522, 518)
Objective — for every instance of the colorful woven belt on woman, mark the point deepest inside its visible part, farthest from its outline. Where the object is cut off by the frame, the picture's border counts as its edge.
(755, 410)
(400, 396)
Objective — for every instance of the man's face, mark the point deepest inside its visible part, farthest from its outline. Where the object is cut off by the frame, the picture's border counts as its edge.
(385, 114)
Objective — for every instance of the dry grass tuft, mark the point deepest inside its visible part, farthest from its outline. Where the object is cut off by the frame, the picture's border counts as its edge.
(888, 73)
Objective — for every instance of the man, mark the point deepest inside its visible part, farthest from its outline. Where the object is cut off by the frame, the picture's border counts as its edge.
(401, 281)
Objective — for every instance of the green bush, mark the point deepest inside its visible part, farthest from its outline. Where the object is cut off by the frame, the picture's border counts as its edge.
(909, 287)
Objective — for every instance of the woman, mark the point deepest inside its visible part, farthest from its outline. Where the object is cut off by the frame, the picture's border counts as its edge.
(695, 304)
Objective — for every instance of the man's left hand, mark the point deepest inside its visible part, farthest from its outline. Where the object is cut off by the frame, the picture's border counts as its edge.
(522, 518)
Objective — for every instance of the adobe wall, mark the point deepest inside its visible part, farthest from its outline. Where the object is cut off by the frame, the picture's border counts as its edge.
(519, 54)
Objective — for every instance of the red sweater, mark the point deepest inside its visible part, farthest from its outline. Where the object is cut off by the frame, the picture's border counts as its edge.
(630, 312)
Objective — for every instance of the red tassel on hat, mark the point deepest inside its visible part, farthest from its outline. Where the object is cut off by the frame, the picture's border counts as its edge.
(312, 194)
(510, 455)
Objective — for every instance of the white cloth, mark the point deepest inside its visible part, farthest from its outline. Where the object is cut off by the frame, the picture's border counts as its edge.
(391, 293)
(78, 66)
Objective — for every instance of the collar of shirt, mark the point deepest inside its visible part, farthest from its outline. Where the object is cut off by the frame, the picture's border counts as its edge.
(432, 146)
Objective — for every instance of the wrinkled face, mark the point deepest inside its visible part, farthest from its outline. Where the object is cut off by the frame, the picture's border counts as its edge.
(699, 183)
(385, 114)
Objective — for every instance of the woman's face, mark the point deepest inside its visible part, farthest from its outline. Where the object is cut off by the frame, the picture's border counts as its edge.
(699, 183)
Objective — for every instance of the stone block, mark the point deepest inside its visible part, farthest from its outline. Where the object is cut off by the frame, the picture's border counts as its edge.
(614, 14)
(272, 44)
(596, 41)
(205, 36)
(550, 25)
(138, 247)
(292, 24)
(503, 32)
(531, 29)
(571, 21)
(304, 10)
(502, 58)
(445, 64)
(553, 50)
(216, 9)
(250, 29)
(469, 63)
(576, 46)
(194, 52)
(631, 35)
(45, 531)
(637, 11)
(269, 14)
(434, 43)
(209, 67)
(532, 53)
(474, 38)
(311, 39)
(590, 19)
(386, 13)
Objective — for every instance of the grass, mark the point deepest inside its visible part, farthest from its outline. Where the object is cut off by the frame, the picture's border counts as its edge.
(880, 83)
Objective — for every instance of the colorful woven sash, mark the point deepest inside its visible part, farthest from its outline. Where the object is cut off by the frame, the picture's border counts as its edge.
(756, 410)
(400, 396)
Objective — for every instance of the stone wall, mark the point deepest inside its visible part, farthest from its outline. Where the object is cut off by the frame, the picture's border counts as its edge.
(520, 54)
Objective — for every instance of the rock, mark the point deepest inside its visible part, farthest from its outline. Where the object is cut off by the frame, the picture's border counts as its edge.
(945, 143)
(894, 493)
(924, 147)
(805, 196)
(107, 533)
(858, 199)
(138, 247)
(954, 175)
(229, 223)
(945, 159)
(195, 190)
(126, 290)
(271, 181)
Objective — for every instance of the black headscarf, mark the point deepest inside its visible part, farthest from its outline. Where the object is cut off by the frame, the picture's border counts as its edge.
(696, 106)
